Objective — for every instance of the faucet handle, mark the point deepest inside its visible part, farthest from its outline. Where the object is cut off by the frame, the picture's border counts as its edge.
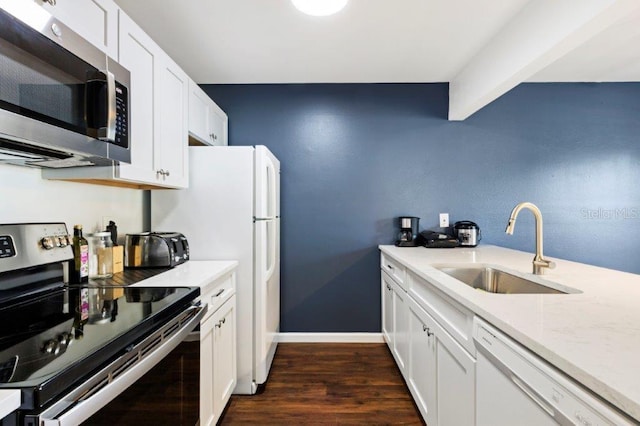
(539, 265)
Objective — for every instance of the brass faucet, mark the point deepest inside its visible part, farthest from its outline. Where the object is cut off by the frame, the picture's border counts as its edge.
(539, 262)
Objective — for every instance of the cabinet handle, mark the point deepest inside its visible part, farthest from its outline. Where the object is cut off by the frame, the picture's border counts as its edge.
(389, 266)
(51, 2)
(429, 332)
(219, 293)
(388, 287)
(224, 320)
(219, 324)
(162, 172)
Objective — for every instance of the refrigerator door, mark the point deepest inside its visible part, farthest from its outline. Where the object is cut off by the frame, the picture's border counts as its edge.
(216, 215)
(267, 295)
(267, 184)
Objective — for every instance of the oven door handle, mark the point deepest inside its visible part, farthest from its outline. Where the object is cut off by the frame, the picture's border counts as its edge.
(82, 403)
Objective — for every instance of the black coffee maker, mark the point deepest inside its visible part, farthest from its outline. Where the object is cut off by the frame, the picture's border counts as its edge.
(408, 235)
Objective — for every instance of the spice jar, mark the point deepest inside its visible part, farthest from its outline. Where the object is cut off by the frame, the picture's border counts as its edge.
(101, 255)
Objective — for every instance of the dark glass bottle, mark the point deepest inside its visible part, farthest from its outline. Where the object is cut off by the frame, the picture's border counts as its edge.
(81, 316)
(79, 266)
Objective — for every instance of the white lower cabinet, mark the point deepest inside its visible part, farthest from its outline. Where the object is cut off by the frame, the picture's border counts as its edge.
(218, 369)
(401, 322)
(439, 371)
(422, 363)
(218, 372)
(441, 374)
(387, 310)
(396, 320)
(224, 355)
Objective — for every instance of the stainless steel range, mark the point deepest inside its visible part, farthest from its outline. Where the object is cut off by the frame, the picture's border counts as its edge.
(70, 349)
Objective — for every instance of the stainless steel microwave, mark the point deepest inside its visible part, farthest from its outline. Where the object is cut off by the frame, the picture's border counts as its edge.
(63, 102)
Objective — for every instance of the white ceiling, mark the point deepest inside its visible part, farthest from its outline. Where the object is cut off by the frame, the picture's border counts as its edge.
(269, 41)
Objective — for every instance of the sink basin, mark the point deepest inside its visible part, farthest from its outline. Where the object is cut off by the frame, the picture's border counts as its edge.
(494, 280)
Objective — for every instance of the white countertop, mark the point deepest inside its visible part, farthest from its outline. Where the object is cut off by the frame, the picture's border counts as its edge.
(593, 336)
(9, 401)
(194, 273)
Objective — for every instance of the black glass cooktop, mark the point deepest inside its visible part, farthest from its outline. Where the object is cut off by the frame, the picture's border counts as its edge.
(57, 338)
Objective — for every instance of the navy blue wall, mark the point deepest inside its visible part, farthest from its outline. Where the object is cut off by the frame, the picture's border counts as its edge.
(354, 157)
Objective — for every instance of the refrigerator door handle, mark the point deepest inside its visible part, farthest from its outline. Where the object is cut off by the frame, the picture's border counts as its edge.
(271, 189)
(271, 250)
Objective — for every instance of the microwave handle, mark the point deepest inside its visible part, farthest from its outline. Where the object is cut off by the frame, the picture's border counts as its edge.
(110, 134)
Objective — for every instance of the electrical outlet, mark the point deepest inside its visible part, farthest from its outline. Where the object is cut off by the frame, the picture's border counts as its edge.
(444, 220)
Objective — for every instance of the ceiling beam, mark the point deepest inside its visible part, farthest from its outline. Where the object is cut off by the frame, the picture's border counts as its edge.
(542, 32)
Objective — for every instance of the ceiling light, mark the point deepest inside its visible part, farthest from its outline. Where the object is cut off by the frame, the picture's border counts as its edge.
(319, 7)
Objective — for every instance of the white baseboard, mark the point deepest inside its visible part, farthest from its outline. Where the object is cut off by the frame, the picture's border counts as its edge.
(330, 338)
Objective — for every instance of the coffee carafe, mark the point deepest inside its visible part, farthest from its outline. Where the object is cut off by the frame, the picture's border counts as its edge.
(407, 237)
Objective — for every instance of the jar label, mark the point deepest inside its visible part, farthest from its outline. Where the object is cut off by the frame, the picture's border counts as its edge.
(84, 304)
(84, 261)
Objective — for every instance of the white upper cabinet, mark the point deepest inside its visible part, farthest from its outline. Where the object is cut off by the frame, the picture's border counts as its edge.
(208, 124)
(95, 20)
(159, 108)
(140, 55)
(171, 152)
(159, 103)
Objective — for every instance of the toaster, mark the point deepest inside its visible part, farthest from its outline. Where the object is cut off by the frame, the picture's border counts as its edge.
(155, 250)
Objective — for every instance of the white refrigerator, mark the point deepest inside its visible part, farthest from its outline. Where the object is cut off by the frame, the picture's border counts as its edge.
(231, 210)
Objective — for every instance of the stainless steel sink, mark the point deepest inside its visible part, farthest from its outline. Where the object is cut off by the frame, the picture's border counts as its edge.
(491, 279)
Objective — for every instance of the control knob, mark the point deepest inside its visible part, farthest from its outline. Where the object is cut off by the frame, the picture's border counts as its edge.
(65, 339)
(47, 243)
(51, 347)
(62, 241)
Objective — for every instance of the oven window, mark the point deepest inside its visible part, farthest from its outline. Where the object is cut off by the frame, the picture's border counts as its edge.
(168, 394)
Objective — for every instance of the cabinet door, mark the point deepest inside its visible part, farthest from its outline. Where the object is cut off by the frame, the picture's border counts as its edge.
(207, 415)
(224, 355)
(455, 381)
(401, 323)
(199, 113)
(422, 362)
(219, 124)
(172, 107)
(208, 123)
(441, 372)
(95, 20)
(387, 309)
(140, 55)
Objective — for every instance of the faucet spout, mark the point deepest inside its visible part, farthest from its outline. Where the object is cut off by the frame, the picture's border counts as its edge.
(539, 262)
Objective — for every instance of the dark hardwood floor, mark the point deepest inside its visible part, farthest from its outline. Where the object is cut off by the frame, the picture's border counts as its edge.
(328, 384)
